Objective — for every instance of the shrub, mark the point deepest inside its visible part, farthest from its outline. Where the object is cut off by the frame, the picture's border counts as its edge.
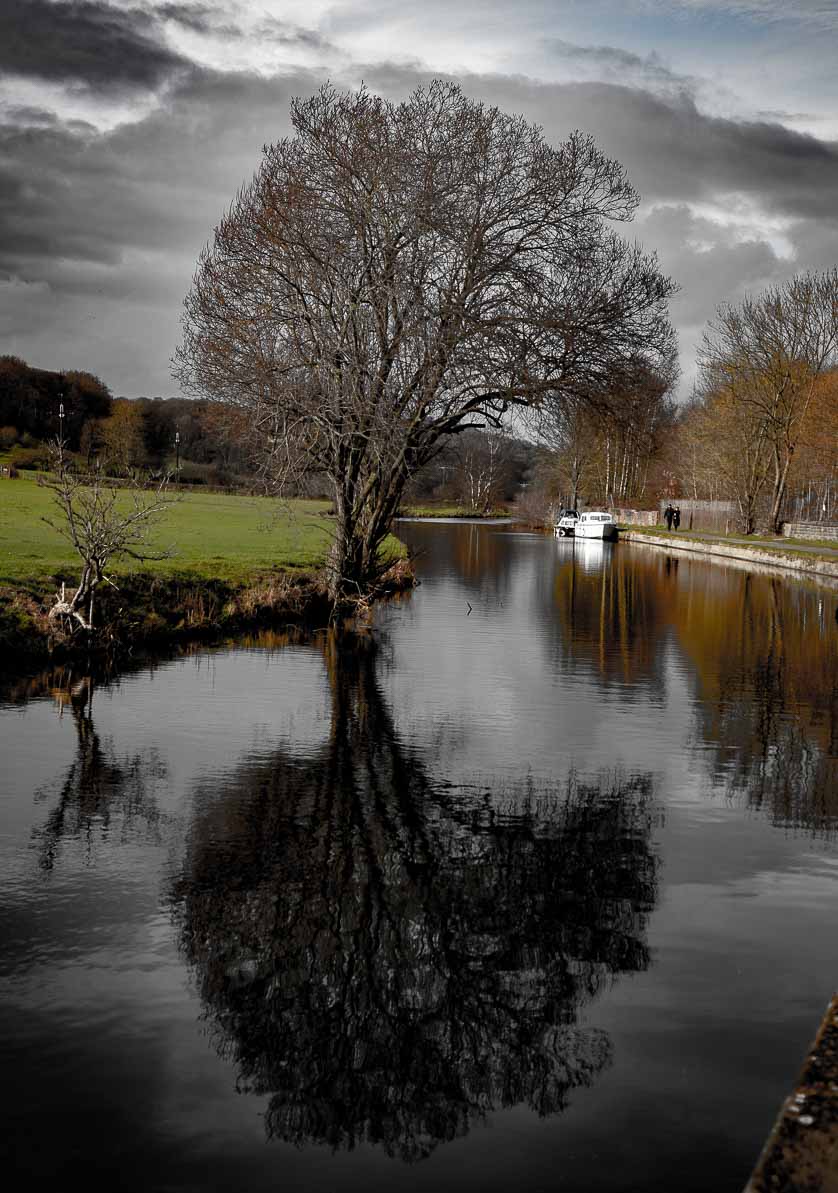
(30, 459)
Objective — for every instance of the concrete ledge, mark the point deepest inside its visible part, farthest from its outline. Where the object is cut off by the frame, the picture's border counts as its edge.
(767, 557)
(801, 1155)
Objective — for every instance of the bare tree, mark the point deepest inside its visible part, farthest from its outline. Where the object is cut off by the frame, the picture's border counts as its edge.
(481, 462)
(603, 443)
(767, 354)
(395, 274)
(103, 524)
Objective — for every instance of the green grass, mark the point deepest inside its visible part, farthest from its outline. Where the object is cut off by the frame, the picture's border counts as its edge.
(211, 534)
(446, 511)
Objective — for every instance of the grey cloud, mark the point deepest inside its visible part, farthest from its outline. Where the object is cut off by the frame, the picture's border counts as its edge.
(101, 232)
(714, 259)
(84, 42)
(200, 18)
(822, 14)
(285, 34)
(673, 151)
(115, 221)
(614, 64)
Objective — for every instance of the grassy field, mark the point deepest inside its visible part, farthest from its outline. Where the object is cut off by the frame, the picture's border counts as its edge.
(446, 511)
(210, 534)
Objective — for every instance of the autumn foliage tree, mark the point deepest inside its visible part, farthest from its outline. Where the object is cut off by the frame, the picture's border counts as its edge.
(761, 361)
(397, 273)
(603, 445)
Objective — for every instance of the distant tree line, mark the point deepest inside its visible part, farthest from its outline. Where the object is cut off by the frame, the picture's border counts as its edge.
(31, 401)
(124, 435)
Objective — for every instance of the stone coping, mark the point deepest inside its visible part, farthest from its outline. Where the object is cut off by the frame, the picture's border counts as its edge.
(801, 1153)
(826, 568)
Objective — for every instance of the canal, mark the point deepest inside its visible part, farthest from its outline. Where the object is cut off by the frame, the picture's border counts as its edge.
(531, 882)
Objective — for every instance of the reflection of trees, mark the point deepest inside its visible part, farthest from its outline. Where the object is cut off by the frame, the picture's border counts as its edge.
(389, 958)
(97, 786)
(609, 613)
(766, 657)
(477, 554)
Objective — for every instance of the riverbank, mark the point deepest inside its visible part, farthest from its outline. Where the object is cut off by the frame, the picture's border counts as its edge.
(234, 563)
(814, 560)
(801, 1150)
(152, 610)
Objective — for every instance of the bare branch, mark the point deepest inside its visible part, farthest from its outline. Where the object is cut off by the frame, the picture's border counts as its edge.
(103, 524)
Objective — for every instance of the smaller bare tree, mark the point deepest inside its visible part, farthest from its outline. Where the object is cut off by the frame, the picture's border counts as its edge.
(103, 524)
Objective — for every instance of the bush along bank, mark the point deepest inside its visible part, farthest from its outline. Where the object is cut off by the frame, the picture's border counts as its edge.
(149, 610)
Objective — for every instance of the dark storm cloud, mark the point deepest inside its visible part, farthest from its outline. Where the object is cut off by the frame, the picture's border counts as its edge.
(156, 187)
(112, 223)
(84, 42)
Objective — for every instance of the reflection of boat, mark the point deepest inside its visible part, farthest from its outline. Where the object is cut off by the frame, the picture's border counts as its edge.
(596, 524)
(591, 555)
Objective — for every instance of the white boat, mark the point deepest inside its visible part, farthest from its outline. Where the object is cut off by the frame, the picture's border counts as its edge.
(596, 524)
(565, 524)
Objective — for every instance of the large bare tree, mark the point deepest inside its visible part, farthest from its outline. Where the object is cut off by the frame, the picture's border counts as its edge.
(395, 273)
(766, 355)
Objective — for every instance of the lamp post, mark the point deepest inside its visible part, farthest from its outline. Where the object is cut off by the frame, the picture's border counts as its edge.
(61, 422)
(177, 458)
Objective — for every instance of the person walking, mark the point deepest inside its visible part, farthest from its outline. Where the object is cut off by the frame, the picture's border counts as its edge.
(668, 515)
(676, 517)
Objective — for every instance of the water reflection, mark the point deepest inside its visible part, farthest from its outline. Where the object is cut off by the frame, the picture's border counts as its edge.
(390, 958)
(758, 652)
(607, 615)
(98, 787)
(766, 670)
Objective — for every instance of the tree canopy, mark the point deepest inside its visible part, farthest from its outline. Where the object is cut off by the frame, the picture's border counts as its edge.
(395, 273)
(761, 361)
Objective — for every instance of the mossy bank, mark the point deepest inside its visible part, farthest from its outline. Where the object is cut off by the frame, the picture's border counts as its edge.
(233, 563)
(149, 610)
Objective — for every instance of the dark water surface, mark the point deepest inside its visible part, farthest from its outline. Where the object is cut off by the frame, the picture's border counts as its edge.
(540, 895)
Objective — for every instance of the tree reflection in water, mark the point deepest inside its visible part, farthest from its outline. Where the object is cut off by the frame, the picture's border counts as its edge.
(391, 958)
(766, 667)
(97, 786)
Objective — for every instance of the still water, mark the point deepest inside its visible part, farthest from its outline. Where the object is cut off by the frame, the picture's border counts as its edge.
(529, 884)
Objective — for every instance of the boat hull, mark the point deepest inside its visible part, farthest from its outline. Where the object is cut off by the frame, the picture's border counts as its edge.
(596, 530)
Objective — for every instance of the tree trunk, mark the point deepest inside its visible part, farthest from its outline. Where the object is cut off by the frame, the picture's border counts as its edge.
(780, 477)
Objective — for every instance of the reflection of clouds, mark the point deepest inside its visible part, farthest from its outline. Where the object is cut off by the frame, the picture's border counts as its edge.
(518, 678)
(390, 958)
(218, 704)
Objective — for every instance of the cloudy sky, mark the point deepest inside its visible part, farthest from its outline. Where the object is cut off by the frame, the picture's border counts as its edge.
(126, 127)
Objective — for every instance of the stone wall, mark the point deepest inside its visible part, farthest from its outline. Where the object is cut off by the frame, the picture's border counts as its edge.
(811, 530)
(637, 517)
